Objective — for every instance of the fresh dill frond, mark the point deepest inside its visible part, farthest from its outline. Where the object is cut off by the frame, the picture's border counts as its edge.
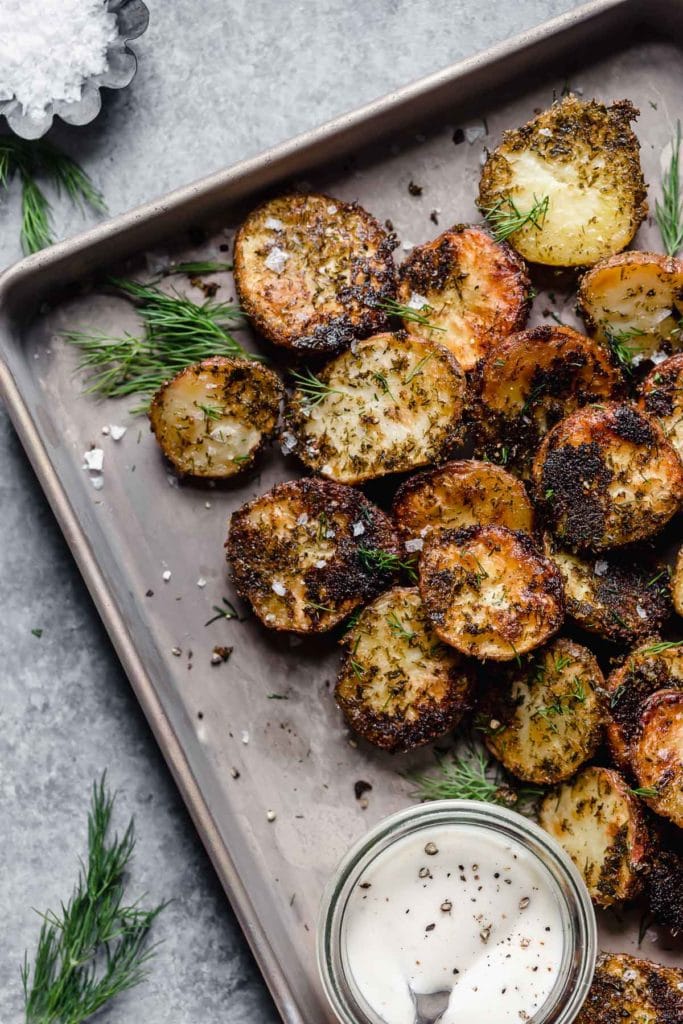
(661, 646)
(228, 611)
(669, 212)
(312, 388)
(198, 268)
(411, 314)
(417, 369)
(461, 778)
(645, 791)
(505, 217)
(95, 946)
(621, 344)
(377, 560)
(398, 629)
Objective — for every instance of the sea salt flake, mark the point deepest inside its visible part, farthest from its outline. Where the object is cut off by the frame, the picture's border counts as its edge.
(640, 611)
(358, 529)
(302, 519)
(105, 430)
(474, 132)
(166, 575)
(201, 582)
(273, 224)
(94, 459)
(116, 432)
(417, 301)
(279, 588)
(245, 736)
(276, 259)
(287, 442)
(601, 568)
(415, 544)
(658, 357)
(321, 563)
(546, 132)
(97, 482)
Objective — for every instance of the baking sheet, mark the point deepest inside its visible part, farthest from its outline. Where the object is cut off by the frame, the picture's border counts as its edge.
(236, 751)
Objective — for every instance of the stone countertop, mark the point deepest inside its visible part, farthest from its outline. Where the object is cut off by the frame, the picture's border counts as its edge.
(217, 82)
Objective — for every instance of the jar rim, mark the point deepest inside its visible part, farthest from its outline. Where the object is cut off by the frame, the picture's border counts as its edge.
(579, 953)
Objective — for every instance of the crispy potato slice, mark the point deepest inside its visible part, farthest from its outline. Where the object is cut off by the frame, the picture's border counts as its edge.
(389, 404)
(544, 720)
(398, 686)
(633, 301)
(472, 289)
(606, 476)
(214, 417)
(665, 888)
(626, 990)
(654, 666)
(489, 592)
(576, 169)
(615, 595)
(464, 493)
(312, 272)
(677, 583)
(601, 825)
(533, 379)
(657, 754)
(662, 398)
(308, 552)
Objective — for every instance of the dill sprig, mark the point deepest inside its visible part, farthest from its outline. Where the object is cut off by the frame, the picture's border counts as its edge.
(505, 217)
(95, 947)
(621, 344)
(377, 560)
(661, 646)
(312, 388)
(228, 611)
(669, 212)
(411, 314)
(398, 629)
(468, 778)
(31, 161)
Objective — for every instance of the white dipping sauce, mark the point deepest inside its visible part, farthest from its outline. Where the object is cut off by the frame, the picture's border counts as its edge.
(480, 915)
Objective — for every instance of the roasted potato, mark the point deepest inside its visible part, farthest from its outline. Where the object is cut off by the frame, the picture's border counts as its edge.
(615, 595)
(309, 552)
(626, 990)
(656, 754)
(601, 825)
(471, 290)
(313, 272)
(389, 404)
(633, 302)
(677, 583)
(398, 686)
(530, 381)
(489, 592)
(662, 398)
(606, 476)
(544, 720)
(567, 188)
(652, 667)
(213, 418)
(664, 885)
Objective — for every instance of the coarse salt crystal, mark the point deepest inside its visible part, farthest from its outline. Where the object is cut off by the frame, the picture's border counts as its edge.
(331, 209)
(658, 357)
(94, 460)
(642, 614)
(302, 519)
(273, 224)
(416, 544)
(279, 588)
(245, 736)
(601, 568)
(546, 132)
(321, 563)
(416, 301)
(105, 430)
(201, 582)
(287, 442)
(407, 246)
(358, 529)
(276, 259)
(116, 432)
(474, 132)
(97, 482)
(166, 575)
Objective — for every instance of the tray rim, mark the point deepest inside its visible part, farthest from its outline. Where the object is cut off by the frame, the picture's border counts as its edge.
(47, 263)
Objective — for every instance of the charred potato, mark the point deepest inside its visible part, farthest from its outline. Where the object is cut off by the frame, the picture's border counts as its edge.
(470, 289)
(606, 476)
(489, 592)
(657, 754)
(662, 398)
(572, 179)
(654, 666)
(665, 889)
(533, 379)
(214, 417)
(626, 990)
(677, 583)
(309, 552)
(387, 405)
(633, 302)
(312, 272)
(601, 825)
(544, 720)
(398, 686)
(614, 595)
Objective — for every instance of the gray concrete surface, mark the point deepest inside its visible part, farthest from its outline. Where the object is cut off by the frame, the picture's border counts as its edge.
(217, 81)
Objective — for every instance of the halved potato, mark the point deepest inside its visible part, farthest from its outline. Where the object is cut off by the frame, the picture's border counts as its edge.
(308, 552)
(544, 720)
(601, 825)
(677, 583)
(616, 595)
(530, 381)
(473, 290)
(464, 493)
(389, 404)
(654, 666)
(626, 990)
(312, 272)
(665, 888)
(657, 754)
(398, 686)
(576, 167)
(633, 302)
(606, 476)
(489, 592)
(214, 417)
(662, 398)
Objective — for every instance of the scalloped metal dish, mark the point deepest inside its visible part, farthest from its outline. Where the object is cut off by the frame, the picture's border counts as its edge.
(292, 756)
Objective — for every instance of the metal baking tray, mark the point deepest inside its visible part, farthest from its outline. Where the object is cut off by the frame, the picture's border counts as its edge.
(293, 756)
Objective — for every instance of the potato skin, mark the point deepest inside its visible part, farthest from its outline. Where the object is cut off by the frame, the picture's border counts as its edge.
(665, 888)
(243, 398)
(461, 493)
(530, 381)
(331, 267)
(279, 537)
(477, 291)
(606, 476)
(626, 990)
(677, 583)
(662, 398)
(584, 156)
(489, 592)
(398, 687)
(656, 753)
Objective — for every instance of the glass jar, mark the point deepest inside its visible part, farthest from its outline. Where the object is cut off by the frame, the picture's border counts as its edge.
(579, 946)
